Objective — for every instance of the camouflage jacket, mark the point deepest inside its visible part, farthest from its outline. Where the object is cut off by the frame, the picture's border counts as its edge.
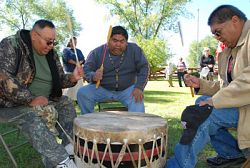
(17, 70)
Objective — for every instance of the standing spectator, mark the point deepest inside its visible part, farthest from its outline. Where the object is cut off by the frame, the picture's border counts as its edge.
(181, 69)
(69, 63)
(169, 70)
(207, 60)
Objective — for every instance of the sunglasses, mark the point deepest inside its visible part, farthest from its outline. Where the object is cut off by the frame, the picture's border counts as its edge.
(49, 43)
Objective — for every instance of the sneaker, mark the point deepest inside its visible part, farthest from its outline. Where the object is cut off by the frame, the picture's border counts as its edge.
(67, 163)
(221, 162)
(70, 149)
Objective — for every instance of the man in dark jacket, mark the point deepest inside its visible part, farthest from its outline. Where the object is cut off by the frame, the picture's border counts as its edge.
(31, 82)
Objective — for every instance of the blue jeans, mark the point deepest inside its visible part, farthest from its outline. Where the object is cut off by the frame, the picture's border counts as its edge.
(88, 95)
(213, 130)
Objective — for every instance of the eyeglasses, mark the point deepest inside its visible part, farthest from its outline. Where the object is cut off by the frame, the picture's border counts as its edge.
(49, 43)
(217, 33)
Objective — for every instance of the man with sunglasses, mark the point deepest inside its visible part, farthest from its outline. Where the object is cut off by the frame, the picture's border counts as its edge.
(31, 83)
(229, 96)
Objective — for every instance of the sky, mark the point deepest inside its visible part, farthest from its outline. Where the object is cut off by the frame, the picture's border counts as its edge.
(95, 21)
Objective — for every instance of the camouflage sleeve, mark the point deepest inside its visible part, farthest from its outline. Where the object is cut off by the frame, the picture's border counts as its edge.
(65, 78)
(12, 90)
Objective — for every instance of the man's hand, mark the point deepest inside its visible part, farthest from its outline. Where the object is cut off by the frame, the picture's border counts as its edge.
(137, 94)
(192, 81)
(98, 75)
(78, 73)
(39, 101)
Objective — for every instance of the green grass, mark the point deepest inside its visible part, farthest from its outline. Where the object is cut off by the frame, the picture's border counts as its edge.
(160, 100)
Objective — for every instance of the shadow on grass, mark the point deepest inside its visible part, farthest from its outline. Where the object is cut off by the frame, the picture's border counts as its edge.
(161, 96)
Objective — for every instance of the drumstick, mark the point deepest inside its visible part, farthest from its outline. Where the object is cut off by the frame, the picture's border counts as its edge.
(73, 42)
(72, 39)
(182, 43)
(68, 137)
(104, 54)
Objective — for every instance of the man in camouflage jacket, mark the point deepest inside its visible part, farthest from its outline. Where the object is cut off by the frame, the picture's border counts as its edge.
(32, 79)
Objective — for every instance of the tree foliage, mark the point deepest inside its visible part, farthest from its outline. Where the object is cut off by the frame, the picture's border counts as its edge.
(21, 14)
(146, 20)
(196, 49)
(156, 52)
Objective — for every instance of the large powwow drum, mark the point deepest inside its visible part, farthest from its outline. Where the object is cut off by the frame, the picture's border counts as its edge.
(120, 140)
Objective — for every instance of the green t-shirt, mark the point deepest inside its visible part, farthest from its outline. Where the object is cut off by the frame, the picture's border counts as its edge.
(42, 83)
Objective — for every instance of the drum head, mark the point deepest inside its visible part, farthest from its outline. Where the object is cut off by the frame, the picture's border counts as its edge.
(118, 126)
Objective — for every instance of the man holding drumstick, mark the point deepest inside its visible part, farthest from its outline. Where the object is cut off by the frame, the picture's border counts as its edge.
(229, 96)
(123, 76)
(31, 82)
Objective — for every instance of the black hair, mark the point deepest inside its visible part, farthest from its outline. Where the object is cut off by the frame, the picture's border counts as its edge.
(43, 23)
(119, 30)
(224, 13)
(70, 41)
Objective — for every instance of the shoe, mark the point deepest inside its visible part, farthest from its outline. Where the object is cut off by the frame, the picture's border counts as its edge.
(67, 163)
(221, 162)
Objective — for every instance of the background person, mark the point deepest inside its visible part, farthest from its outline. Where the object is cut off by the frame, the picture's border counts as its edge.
(169, 70)
(229, 96)
(69, 63)
(31, 82)
(207, 60)
(123, 78)
(181, 69)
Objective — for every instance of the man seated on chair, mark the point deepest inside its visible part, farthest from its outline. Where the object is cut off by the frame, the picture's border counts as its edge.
(31, 82)
(123, 76)
(229, 96)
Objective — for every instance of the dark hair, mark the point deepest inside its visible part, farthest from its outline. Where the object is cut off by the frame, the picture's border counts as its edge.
(70, 41)
(43, 23)
(224, 13)
(119, 30)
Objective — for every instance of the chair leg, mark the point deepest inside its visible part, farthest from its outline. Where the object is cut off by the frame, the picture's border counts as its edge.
(8, 151)
(99, 106)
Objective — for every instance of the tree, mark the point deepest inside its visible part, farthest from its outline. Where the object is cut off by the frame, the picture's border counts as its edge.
(156, 52)
(194, 56)
(146, 20)
(21, 14)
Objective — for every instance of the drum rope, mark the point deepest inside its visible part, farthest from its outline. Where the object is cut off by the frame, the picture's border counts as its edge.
(145, 156)
(131, 156)
(95, 150)
(85, 150)
(139, 159)
(157, 148)
(153, 148)
(122, 153)
(162, 143)
(105, 150)
(111, 156)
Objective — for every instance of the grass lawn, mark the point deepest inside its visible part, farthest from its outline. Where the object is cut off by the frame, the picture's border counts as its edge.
(160, 99)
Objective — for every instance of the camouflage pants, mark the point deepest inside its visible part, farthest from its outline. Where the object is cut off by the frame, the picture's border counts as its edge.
(35, 127)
